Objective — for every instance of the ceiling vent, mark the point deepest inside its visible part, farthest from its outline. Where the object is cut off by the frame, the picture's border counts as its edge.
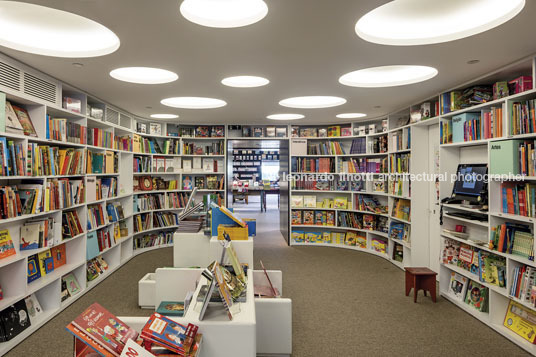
(9, 76)
(40, 88)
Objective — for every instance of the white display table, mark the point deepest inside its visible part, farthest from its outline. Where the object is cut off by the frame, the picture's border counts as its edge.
(191, 250)
(222, 337)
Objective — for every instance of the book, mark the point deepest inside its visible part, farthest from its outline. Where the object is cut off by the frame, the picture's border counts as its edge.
(171, 308)
(34, 307)
(34, 272)
(222, 288)
(46, 262)
(25, 121)
(6, 244)
(458, 286)
(12, 123)
(104, 328)
(169, 334)
(73, 287)
(14, 319)
(477, 296)
(59, 255)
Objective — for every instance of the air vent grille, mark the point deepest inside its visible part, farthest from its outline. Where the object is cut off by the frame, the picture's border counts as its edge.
(112, 116)
(9, 76)
(39, 88)
(125, 121)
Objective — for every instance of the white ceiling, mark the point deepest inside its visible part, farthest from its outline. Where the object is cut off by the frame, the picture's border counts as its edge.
(302, 47)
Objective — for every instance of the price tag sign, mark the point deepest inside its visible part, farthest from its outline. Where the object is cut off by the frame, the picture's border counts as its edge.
(132, 349)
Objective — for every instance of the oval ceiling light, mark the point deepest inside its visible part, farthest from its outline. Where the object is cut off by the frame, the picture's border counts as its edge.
(245, 81)
(45, 31)
(351, 115)
(312, 102)
(144, 75)
(224, 13)
(164, 116)
(285, 116)
(423, 22)
(388, 76)
(193, 102)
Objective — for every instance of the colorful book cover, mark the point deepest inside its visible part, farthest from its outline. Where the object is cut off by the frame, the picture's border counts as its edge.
(46, 262)
(59, 255)
(361, 242)
(326, 237)
(25, 121)
(73, 287)
(297, 217)
(105, 328)
(171, 308)
(308, 217)
(309, 201)
(34, 272)
(340, 202)
(223, 289)
(298, 236)
(167, 333)
(477, 296)
(6, 244)
(458, 286)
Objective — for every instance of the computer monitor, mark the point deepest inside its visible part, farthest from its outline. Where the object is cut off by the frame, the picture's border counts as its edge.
(471, 183)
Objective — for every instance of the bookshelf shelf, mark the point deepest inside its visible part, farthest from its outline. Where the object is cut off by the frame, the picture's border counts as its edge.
(513, 217)
(474, 222)
(475, 277)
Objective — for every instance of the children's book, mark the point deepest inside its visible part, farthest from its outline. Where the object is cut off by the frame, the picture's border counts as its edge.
(14, 319)
(361, 242)
(12, 122)
(25, 121)
(458, 286)
(350, 238)
(340, 202)
(298, 236)
(297, 217)
(309, 201)
(171, 308)
(46, 262)
(308, 217)
(297, 201)
(477, 296)
(33, 307)
(34, 272)
(59, 255)
(167, 333)
(222, 288)
(105, 328)
(73, 287)
(6, 244)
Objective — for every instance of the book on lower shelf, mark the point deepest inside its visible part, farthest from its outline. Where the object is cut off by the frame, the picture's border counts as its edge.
(401, 209)
(95, 268)
(512, 238)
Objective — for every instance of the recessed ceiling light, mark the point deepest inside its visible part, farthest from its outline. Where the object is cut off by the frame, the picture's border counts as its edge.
(312, 102)
(285, 116)
(78, 64)
(45, 31)
(422, 22)
(224, 13)
(245, 81)
(388, 76)
(164, 116)
(144, 75)
(351, 115)
(193, 102)
(474, 61)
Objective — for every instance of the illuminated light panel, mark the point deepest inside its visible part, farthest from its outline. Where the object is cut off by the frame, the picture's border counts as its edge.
(312, 102)
(46, 31)
(224, 13)
(144, 75)
(388, 76)
(285, 116)
(423, 22)
(245, 81)
(193, 102)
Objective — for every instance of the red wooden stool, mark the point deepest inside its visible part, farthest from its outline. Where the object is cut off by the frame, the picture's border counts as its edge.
(421, 279)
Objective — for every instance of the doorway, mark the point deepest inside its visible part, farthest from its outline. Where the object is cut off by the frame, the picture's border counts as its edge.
(255, 185)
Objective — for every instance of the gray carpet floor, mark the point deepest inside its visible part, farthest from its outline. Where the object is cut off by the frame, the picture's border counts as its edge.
(345, 303)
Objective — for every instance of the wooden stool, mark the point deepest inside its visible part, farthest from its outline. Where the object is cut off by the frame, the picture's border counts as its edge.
(421, 279)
